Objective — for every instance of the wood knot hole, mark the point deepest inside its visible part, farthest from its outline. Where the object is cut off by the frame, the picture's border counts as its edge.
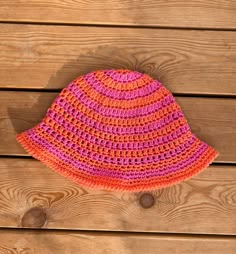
(34, 218)
(147, 200)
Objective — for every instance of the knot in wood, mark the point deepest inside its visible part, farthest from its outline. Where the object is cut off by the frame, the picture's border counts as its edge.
(34, 218)
(147, 200)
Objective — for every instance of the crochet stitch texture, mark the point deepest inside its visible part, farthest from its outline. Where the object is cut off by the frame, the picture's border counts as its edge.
(117, 130)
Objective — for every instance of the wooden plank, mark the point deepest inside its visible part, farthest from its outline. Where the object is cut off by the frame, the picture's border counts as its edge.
(211, 119)
(39, 56)
(33, 195)
(174, 13)
(46, 242)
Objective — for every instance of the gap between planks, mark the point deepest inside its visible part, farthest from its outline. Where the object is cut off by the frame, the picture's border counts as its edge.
(46, 90)
(73, 242)
(153, 27)
(149, 13)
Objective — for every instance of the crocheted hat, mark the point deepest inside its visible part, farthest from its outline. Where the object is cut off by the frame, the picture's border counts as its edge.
(117, 130)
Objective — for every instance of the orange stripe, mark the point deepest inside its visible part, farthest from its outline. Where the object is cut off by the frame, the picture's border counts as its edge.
(109, 102)
(95, 147)
(108, 82)
(167, 129)
(141, 120)
(97, 182)
(101, 165)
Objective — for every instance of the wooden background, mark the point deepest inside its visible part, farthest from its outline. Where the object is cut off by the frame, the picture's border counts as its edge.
(190, 46)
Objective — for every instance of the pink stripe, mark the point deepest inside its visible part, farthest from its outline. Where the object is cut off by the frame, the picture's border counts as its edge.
(121, 95)
(142, 127)
(127, 160)
(131, 175)
(158, 140)
(138, 129)
(128, 77)
(113, 112)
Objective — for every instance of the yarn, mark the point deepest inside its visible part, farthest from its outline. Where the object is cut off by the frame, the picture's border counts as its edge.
(117, 130)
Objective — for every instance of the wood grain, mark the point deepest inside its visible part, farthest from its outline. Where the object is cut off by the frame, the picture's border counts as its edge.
(35, 196)
(173, 13)
(45, 242)
(186, 61)
(212, 120)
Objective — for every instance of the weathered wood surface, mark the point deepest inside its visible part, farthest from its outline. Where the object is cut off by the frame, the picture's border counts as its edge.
(33, 195)
(186, 61)
(211, 119)
(46, 56)
(174, 13)
(38, 242)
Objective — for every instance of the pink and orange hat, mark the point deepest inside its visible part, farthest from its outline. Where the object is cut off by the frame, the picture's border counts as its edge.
(117, 130)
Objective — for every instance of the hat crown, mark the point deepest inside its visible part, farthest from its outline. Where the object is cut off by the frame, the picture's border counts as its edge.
(139, 114)
(119, 80)
(127, 94)
(123, 75)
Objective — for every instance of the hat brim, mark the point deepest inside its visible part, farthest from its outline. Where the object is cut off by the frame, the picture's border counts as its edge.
(186, 164)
